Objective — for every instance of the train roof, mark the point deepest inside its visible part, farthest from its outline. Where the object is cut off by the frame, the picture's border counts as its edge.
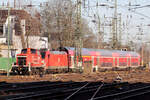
(57, 52)
(103, 52)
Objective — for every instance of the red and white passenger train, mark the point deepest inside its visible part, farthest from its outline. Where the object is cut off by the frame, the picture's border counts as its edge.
(31, 60)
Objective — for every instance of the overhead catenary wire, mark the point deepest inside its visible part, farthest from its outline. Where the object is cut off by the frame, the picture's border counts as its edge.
(127, 7)
(133, 11)
(141, 7)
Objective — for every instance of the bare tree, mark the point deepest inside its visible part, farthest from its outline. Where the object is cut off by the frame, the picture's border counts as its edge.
(58, 19)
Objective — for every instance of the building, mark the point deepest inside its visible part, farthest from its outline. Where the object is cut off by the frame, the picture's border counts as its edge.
(24, 31)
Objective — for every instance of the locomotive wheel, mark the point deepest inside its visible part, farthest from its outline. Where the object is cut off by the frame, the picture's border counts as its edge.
(37, 71)
(32, 72)
(20, 72)
(41, 72)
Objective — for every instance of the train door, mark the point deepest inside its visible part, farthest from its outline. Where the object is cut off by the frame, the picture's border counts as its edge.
(72, 61)
(128, 61)
(117, 62)
(45, 60)
(35, 56)
(98, 63)
(95, 63)
(69, 60)
(113, 61)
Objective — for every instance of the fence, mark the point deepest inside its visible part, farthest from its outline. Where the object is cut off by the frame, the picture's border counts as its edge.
(4, 63)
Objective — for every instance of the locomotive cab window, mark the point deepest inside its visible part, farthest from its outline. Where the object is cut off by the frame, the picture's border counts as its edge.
(24, 51)
(33, 51)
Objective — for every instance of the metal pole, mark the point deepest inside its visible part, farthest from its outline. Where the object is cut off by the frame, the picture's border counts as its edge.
(142, 54)
(14, 3)
(120, 30)
(99, 29)
(115, 41)
(8, 41)
(78, 37)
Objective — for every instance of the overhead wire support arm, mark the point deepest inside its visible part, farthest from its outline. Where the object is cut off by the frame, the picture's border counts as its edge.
(140, 7)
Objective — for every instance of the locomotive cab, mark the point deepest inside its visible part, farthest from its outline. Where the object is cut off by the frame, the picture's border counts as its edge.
(26, 59)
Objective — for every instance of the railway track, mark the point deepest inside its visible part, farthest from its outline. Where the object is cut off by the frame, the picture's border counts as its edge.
(36, 86)
(72, 91)
(126, 95)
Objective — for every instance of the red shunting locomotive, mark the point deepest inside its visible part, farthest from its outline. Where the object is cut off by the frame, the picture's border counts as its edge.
(40, 61)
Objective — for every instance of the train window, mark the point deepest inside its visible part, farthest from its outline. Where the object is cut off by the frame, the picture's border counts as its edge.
(43, 54)
(24, 51)
(124, 49)
(33, 51)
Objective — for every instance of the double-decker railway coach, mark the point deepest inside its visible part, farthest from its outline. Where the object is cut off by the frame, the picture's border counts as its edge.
(37, 61)
(105, 59)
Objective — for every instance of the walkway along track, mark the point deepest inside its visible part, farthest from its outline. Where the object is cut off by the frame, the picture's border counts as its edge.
(73, 91)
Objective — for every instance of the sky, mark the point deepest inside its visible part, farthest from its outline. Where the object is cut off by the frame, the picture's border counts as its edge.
(131, 19)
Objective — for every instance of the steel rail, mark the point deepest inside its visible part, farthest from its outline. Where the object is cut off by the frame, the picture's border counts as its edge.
(12, 85)
(97, 90)
(47, 92)
(138, 94)
(125, 93)
(55, 93)
(58, 90)
(44, 90)
(31, 86)
(76, 91)
(52, 93)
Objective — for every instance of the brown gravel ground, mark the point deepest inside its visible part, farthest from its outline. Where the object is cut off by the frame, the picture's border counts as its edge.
(131, 76)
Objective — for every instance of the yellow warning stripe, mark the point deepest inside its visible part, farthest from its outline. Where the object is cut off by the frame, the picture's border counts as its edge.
(87, 56)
